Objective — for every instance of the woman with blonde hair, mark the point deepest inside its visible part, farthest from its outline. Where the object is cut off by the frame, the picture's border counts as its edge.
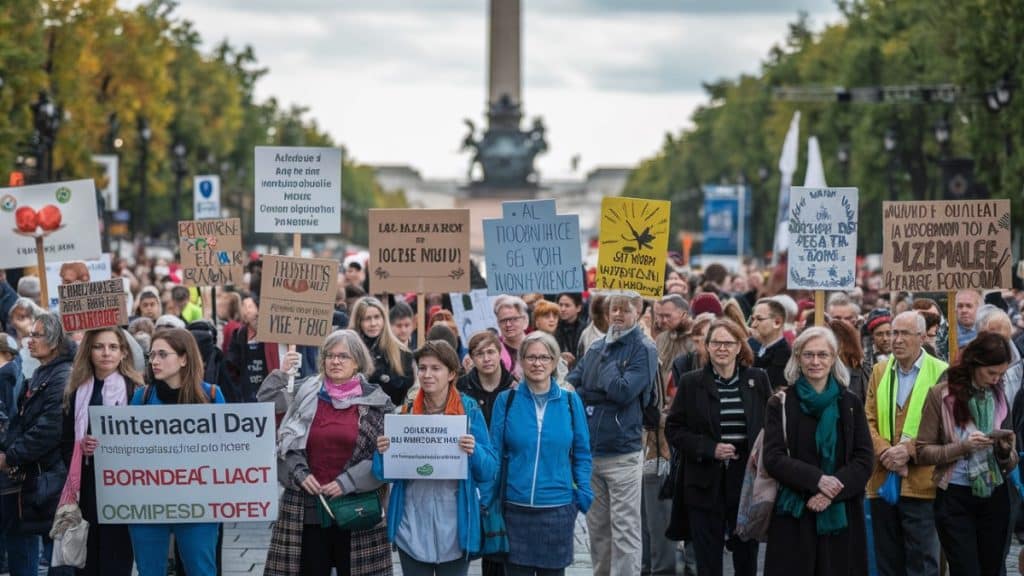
(102, 374)
(393, 361)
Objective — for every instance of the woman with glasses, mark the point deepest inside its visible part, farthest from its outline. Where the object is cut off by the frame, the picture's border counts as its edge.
(435, 524)
(715, 416)
(325, 447)
(546, 454)
(392, 367)
(102, 375)
(822, 461)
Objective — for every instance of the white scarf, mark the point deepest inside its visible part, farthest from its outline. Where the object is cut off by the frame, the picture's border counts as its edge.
(115, 393)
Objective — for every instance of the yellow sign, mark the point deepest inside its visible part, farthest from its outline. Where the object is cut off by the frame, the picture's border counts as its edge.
(633, 245)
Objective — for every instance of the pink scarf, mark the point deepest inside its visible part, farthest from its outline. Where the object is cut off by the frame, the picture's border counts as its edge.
(344, 390)
(115, 393)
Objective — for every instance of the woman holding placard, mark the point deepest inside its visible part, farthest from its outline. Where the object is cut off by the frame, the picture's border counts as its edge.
(325, 447)
(420, 511)
(394, 368)
(176, 377)
(102, 375)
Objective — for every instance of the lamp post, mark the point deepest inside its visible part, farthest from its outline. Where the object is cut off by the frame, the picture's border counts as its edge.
(46, 118)
(890, 142)
(843, 156)
(180, 171)
(145, 135)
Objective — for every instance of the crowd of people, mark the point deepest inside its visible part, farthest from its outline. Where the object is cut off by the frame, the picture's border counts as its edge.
(891, 430)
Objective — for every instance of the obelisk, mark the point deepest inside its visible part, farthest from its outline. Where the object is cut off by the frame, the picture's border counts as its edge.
(504, 101)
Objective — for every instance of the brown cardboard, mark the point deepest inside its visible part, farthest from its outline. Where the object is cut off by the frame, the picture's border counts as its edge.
(415, 250)
(91, 305)
(211, 252)
(296, 300)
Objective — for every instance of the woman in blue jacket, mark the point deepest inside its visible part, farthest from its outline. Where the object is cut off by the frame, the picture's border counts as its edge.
(547, 448)
(420, 511)
(176, 377)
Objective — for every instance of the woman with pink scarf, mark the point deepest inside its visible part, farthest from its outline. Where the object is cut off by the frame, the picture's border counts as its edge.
(325, 447)
(101, 375)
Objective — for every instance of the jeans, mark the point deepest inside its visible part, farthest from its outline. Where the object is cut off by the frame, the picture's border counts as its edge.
(905, 538)
(23, 554)
(413, 567)
(614, 517)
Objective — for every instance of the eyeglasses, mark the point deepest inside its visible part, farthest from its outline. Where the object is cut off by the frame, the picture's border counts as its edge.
(538, 359)
(722, 344)
(161, 354)
(339, 357)
(509, 320)
(904, 334)
(811, 356)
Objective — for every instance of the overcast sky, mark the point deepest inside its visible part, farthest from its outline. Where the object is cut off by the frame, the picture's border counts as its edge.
(392, 80)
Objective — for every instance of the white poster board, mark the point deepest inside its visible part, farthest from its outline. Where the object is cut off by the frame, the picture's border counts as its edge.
(206, 197)
(298, 190)
(65, 212)
(822, 238)
(425, 447)
(185, 463)
(473, 312)
(98, 269)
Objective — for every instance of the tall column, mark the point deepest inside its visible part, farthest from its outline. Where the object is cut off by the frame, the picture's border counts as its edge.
(504, 69)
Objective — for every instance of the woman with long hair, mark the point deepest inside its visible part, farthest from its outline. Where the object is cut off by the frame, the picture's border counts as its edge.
(102, 374)
(966, 434)
(822, 461)
(393, 361)
(175, 377)
(851, 352)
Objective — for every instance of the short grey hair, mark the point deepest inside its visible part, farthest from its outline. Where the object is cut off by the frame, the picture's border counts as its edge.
(635, 301)
(839, 370)
(27, 305)
(919, 322)
(29, 287)
(842, 299)
(789, 304)
(544, 338)
(988, 313)
(53, 331)
(506, 301)
(360, 353)
(677, 301)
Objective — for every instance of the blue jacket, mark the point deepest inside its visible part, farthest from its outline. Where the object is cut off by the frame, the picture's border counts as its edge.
(540, 471)
(140, 393)
(613, 380)
(483, 466)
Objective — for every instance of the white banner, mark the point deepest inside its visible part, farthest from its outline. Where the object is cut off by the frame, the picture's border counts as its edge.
(298, 190)
(63, 213)
(425, 447)
(185, 463)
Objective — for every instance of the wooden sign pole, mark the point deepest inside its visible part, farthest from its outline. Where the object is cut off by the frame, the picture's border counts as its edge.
(953, 347)
(819, 307)
(297, 252)
(421, 318)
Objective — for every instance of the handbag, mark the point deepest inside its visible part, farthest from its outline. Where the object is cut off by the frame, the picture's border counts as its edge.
(70, 532)
(494, 543)
(758, 492)
(889, 491)
(358, 511)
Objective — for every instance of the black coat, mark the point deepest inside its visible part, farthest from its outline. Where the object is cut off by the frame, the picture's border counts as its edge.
(693, 428)
(773, 361)
(795, 463)
(396, 385)
(469, 384)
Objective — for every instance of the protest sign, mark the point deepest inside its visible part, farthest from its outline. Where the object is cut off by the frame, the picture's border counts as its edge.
(425, 447)
(76, 271)
(946, 245)
(185, 463)
(206, 197)
(296, 300)
(633, 244)
(473, 312)
(415, 250)
(822, 238)
(211, 252)
(298, 190)
(90, 305)
(63, 212)
(533, 249)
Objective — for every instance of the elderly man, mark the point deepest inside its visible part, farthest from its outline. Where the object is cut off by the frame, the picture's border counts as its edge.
(991, 319)
(905, 538)
(614, 379)
(773, 351)
(513, 318)
(840, 307)
(967, 304)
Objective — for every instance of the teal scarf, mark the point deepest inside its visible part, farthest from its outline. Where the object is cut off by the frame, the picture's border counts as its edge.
(982, 467)
(824, 407)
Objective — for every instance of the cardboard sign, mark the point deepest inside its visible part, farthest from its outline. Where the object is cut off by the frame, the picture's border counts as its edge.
(822, 238)
(75, 271)
(185, 463)
(633, 245)
(65, 212)
(425, 447)
(473, 311)
(533, 249)
(946, 245)
(90, 305)
(206, 197)
(298, 190)
(419, 251)
(296, 300)
(211, 252)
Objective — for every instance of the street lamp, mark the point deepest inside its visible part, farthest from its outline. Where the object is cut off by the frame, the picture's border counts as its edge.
(46, 117)
(145, 135)
(180, 171)
(843, 156)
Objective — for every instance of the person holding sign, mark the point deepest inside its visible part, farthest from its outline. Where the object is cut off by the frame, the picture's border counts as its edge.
(392, 359)
(546, 452)
(176, 377)
(420, 511)
(325, 448)
(102, 375)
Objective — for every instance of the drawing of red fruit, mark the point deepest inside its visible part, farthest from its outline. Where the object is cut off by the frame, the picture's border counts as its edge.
(50, 217)
(26, 219)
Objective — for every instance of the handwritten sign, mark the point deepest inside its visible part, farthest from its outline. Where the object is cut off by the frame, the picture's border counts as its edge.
(296, 300)
(298, 190)
(185, 463)
(822, 238)
(75, 271)
(533, 249)
(90, 305)
(425, 447)
(633, 244)
(65, 212)
(946, 245)
(211, 252)
(473, 312)
(419, 250)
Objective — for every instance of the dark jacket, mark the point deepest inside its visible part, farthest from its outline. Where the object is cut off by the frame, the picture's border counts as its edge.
(469, 384)
(239, 387)
(568, 335)
(773, 362)
(7, 299)
(613, 380)
(795, 463)
(10, 381)
(693, 428)
(385, 376)
(215, 366)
